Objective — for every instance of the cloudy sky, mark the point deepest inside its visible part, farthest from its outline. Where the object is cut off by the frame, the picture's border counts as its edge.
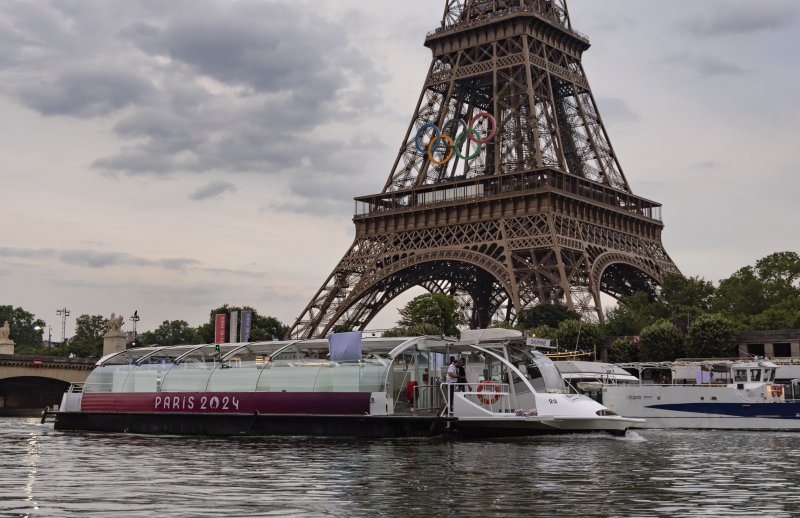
(170, 157)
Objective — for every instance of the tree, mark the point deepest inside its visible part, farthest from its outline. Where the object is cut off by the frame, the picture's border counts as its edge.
(545, 315)
(783, 315)
(741, 294)
(88, 338)
(171, 332)
(661, 342)
(578, 335)
(712, 336)
(22, 325)
(435, 309)
(685, 298)
(267, 328)
(623, 351)
(633, 313)
(423, 329)
(780, 275)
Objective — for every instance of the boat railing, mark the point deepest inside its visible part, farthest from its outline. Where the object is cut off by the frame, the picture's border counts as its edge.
(490, 397)
(76, 388)
(427, 397)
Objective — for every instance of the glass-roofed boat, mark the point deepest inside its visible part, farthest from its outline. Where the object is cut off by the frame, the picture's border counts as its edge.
(388, 387)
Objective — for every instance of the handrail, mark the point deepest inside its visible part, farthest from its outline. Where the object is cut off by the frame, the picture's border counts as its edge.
(76, 388)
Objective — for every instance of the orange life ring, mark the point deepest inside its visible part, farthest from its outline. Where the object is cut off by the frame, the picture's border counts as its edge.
(487, 394)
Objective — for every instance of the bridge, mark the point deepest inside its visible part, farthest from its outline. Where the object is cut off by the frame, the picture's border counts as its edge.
(30, 383)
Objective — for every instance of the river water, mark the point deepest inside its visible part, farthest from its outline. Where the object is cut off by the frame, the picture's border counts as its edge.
(648, 473)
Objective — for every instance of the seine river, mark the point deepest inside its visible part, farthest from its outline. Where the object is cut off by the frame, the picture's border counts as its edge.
(649, 473)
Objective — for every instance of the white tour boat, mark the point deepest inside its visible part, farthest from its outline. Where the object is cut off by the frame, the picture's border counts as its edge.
(377, 387)
(713, 394)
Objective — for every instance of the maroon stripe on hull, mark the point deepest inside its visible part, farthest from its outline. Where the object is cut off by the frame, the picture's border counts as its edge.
(320, 403)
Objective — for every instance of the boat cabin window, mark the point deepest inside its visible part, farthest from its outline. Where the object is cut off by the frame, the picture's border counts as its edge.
(755, 374)
(740, 375)
(770, 375)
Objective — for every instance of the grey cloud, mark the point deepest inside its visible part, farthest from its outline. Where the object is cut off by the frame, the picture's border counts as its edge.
(97, 260)
(85, 92)
(741, 17)
(702, 65)
(616, 109)
(707, 164)
(213, 189)
(239, 87)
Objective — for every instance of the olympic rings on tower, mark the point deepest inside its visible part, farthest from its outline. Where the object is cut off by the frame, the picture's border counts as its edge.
(454, 145)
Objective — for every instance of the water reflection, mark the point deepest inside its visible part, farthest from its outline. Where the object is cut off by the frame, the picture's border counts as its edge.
(652, 473)
(32, 461)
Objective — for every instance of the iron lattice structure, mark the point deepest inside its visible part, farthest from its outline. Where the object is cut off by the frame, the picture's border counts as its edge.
(542, 214)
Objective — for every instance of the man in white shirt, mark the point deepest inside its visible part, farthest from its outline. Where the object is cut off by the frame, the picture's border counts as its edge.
(451, 379)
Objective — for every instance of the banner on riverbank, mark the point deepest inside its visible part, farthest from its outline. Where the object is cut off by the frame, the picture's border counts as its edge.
(219, 328)
(245, 326)
(234, 327)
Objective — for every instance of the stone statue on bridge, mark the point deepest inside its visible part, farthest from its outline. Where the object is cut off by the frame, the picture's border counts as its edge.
(115, 323)
(4, 331)
(6, 343)
(115, 340)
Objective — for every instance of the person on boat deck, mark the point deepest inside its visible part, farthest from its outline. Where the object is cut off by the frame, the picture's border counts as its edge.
(462, 375)
(451, 379)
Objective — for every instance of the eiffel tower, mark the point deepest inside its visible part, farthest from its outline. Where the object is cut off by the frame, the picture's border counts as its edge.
(506, 192)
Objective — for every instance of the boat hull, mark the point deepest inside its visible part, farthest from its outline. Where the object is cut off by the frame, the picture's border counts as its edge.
(700, 408)
(254, 424)
(371, 427)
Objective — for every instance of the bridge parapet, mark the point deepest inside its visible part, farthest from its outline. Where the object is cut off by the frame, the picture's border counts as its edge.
(50, 362)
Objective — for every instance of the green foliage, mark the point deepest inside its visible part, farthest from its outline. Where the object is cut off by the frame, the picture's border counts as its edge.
(422, 329)
(575, 334)
(546, 332)
(685, 298)
(780, 274)
(757, 290)
(740, 294)
(545, 315)
(661, 342)
(783, 315)
(712, 336)
(171, 332)
(434, 309)
(22, 325)
(87, 342)
(623, 351)
(634, 313)
(266, 328)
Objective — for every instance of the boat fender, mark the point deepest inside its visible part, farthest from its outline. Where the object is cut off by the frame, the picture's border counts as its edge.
(488, 392)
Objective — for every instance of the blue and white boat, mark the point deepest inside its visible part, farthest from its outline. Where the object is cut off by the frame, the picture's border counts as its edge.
(714, 394)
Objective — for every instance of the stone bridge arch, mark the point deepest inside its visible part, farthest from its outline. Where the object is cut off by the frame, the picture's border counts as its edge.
(29, 384)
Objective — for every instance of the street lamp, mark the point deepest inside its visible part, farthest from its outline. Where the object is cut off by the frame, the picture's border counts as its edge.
(64, 312)
(135, 318)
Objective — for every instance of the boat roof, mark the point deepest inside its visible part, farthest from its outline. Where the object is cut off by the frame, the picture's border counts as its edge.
(369, 345)
(591, 370)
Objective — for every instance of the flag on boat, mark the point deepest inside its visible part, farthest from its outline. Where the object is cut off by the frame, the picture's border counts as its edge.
(345, 346)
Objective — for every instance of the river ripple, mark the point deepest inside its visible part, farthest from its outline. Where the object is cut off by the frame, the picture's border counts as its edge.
(649, 473)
